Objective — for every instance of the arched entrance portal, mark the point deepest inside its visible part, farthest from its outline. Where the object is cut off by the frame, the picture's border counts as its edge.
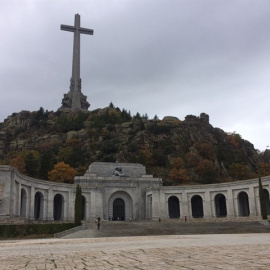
(220, 204)
(58, 207)
(38, 205)
(118, 209)
(120, 206)
(23, 203)
(243, 204)
(174, 209)
(197, 206)
(267, 201)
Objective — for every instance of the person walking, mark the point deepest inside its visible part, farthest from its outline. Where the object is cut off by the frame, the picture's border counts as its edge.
(98, 223)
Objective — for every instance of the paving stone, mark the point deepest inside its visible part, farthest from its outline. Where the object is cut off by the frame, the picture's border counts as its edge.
(193, 252)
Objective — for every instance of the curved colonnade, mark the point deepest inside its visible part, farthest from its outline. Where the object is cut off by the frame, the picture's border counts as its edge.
(233, 199)
(118, 198)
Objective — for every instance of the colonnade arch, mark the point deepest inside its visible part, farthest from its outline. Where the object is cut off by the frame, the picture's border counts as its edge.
(197, 206)
(23, 209)
(243, 204)
(58, 207)
(38, 205)
(220, 205)
(174, 207)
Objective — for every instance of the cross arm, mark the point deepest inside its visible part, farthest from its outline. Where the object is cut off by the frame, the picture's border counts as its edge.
(86, 31)
(67, 28)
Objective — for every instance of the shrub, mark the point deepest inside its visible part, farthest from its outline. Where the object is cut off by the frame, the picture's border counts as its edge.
(26, 230)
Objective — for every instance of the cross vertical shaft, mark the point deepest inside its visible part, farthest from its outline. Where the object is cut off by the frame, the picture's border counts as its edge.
(74, 99)
(76, 53)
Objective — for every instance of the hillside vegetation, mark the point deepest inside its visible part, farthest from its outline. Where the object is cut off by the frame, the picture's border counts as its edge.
(181, 152)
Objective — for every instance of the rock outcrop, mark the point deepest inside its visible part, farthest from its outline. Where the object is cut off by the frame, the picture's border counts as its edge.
(112, 135)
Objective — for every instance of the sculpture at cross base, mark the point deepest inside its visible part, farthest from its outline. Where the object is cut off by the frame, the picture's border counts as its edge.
(74, 99)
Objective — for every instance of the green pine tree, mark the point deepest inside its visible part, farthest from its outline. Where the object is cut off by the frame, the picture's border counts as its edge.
(46, 164)
(32, 165)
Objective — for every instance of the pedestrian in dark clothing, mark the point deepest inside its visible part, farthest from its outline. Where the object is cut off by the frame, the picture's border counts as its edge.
(98, 225)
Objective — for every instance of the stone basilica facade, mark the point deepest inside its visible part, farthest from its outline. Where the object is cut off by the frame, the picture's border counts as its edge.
(123, 191)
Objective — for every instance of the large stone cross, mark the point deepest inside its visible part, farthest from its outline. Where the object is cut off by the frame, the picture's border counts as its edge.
(75, 99)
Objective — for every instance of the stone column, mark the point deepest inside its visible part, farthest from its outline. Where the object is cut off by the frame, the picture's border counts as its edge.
(50, 204)
(207, 205)
(70, 204)
(45, 206)
(163, 204)
(12, 194)
(156, 214)
(230, 204)
(213, 206)
(93, 204)
(252, 203)
(236, 205)
(32, 203)
(98, 203)
(19, 199)
(87, 205)
(184, 209)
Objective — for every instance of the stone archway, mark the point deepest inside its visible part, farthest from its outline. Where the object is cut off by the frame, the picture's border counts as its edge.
(220, 205)
(119, 209)
(58, 207)
(174, 209)
(197, 206)
(118, 202)
(38, 206)
(243, 204)
(267, 201)
(23, 203)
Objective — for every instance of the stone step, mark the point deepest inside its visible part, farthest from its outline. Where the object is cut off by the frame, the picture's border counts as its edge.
(123, 228)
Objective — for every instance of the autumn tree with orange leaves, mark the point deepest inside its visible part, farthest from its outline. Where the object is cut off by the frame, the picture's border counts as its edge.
(207, 172)
(178, 173)
(62, 172)
(263, 169)
(18, 162)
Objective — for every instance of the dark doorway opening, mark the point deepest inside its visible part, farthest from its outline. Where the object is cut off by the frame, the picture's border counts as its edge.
(197, 206)
(118, 209)
(37, 205)
(174, 209)
(57, 207)
(267, 201)
(23, 203)
(243, 204)
(220, 203)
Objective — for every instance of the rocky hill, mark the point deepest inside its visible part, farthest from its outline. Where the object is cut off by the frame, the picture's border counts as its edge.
(188, 151)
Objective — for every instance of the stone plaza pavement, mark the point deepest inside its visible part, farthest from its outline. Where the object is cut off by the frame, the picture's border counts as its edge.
(214, 251)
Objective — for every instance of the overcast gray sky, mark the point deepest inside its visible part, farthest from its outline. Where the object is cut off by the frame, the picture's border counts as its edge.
(160, 57)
